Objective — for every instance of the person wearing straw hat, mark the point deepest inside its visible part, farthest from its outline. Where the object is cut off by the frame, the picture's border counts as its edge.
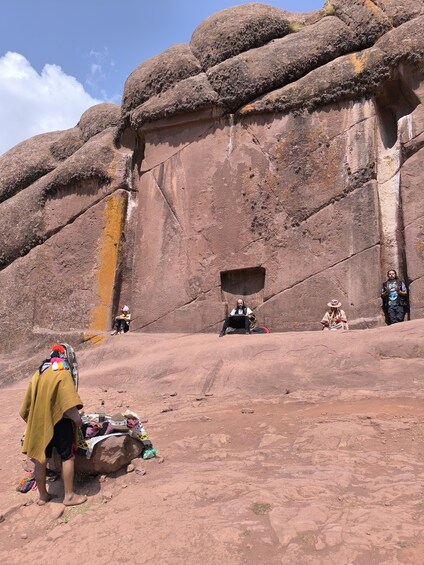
(334, 318)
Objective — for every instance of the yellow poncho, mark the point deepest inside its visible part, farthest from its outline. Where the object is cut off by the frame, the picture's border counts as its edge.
(47, 398)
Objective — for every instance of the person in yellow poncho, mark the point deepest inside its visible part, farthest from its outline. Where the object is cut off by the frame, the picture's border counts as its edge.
(50, 409)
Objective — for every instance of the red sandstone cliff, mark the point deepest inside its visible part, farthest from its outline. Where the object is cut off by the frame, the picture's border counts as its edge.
(276, 156)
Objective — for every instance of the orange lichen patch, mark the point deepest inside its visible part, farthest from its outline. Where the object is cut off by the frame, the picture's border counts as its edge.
(108, 253)
(369, 4)
(94, 339)
(246, 109)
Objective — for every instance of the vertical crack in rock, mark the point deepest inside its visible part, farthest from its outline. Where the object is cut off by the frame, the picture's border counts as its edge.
(394, 106)
(230, 145)
(131, 206)
(211, 377)
(159, 183)
(258, 144)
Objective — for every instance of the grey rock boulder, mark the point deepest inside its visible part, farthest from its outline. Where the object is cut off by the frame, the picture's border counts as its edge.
(159, 73)
(235, 30)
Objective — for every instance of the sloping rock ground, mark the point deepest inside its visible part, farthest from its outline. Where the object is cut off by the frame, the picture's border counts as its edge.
(281, 448)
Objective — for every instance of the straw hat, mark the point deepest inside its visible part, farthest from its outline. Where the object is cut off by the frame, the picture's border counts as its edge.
(119, 423)
(334, 304)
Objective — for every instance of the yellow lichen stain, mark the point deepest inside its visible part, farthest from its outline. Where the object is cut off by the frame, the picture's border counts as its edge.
(107, 262)
(94, 339)
(358, 61)
(116, 161)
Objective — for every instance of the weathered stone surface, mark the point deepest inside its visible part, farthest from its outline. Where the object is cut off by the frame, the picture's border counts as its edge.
(189, 95)
(257, 71)
(221, 215)
(400, 11)
(57, 198)
(244, 65)
(413, 217)
(69, 279)
(288, 173)
(109, 455)
(235, 30)
(346, 78)
(67, 144)
(32, 159)
(98, 118)
(405, 43)
(364, 18)
(412, 203)
(158, 74)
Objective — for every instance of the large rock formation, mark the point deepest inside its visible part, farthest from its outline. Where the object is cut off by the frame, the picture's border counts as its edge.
(275, 156)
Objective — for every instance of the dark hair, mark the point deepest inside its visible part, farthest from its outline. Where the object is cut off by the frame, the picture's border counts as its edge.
(394, 270)
(244, 306)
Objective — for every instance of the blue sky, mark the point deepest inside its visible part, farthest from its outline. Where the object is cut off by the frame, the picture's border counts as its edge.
(58, 58)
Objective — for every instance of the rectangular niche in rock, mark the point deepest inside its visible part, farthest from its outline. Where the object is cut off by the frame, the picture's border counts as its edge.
(246, 283)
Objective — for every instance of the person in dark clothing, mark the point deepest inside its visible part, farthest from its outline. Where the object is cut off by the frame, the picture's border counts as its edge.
(240, 317)
(394, 294)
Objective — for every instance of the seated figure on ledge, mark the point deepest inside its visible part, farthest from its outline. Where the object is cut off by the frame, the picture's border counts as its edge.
(122, 321)
(240, 317)
(334, 318)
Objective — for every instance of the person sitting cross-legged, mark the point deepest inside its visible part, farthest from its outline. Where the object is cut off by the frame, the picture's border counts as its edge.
(240, 317)
(334, 318)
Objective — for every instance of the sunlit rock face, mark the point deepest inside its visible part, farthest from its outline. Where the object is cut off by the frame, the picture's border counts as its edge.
(276, 156)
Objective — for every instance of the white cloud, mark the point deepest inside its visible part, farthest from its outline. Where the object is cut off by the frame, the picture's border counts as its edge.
(33, 103)
(101, 67)
(95, 68)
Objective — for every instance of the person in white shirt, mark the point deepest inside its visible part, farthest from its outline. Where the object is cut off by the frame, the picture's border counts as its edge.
(334, 318)
(122, 321)
(239, 317)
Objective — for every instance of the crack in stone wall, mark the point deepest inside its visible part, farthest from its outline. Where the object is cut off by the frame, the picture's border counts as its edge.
(391, 108)
(38, 240)
(159, 185)
(312, 275)
(162, 316)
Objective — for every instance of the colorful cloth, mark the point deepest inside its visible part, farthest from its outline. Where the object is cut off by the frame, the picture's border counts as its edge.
(27, 483)
(86, 443)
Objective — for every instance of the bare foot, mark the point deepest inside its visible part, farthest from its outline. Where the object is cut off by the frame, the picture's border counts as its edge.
(42, 501)
(74, 499)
